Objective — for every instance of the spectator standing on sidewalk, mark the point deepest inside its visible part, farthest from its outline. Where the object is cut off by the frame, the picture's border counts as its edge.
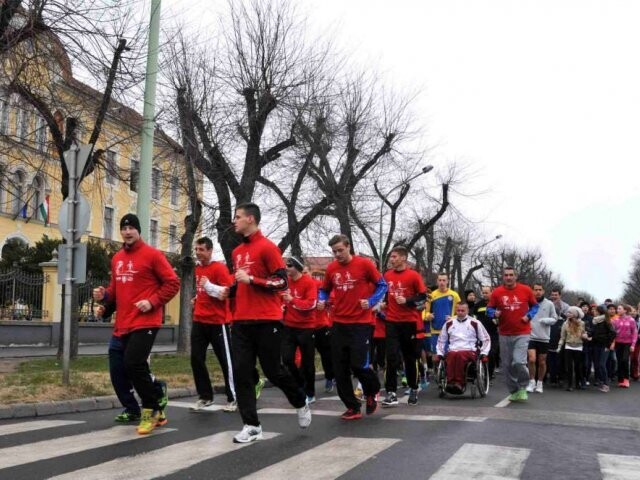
(626, 338)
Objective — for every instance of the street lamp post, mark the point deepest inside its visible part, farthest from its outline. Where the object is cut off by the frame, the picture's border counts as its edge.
(497, 237)
(425, 169)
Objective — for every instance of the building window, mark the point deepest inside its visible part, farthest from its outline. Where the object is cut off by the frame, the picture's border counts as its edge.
(134, 176)
(174, 190)
(155, 184)
(110, 167)
(17, 190)
(41, 134)
(22, 127)
(173, 238)
(4, 115)
(108, 223)
(153, 232)
(37, 197)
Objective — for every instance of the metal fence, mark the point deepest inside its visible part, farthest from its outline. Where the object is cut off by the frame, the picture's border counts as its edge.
(21, 295)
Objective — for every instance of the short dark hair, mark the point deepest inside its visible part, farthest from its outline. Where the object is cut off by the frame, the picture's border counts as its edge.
(509, 267)
(443, 274)
(538, 284)
(205, 241)
(250, 209)
(339, 239)
(556, 289)
(400, 250)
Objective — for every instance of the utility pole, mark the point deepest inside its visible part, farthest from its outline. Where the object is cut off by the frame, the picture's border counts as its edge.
(146, 150)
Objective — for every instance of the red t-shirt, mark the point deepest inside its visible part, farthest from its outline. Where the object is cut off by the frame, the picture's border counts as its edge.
(513, 304)
(380, 329)
(406, 283)
(300, 311)
(321, 317)
(260, 257)
(351, 283)
(209, 309)
(140, 272)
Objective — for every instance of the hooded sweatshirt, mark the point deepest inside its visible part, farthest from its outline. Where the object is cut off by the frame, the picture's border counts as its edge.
(542, 321)
(626, 330)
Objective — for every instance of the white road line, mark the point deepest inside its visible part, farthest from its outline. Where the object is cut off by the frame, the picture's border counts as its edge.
(503, 403)
(434, 418)
(330, 398)
(210, 408)
(32, 452)
(484, 461)
(326, 461)
(292, 411)
(164, 461)
(619, 467)
(35, 425)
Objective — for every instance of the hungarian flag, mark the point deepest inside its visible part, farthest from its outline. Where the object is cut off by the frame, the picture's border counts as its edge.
(44, 210)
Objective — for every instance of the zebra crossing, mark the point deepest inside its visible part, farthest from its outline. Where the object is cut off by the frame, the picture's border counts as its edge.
(327, 458)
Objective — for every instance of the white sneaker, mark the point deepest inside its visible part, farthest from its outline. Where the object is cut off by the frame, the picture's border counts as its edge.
(532, 386)
(248, 434)
(201, 405)
(538, 387)
(311, 400)
(304, 416)
(230, 407)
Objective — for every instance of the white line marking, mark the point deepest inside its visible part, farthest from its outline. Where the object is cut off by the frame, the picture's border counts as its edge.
(210, 408)
(292, 411)
(326, 461)
(434, 418)
(619, 467)
(35, 425)
(484, 462)
(164, 461)
(32, 452)
(503, 403)
(330, 398)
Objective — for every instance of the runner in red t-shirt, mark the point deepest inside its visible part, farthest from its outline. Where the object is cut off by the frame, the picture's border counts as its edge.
(322, 339)
(514, 305)
(260, 276)
(352, 278)
(210, 325)
(299, 326)
(406, 289)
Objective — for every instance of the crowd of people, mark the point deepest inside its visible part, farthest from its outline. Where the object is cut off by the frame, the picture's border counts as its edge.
(363, 324)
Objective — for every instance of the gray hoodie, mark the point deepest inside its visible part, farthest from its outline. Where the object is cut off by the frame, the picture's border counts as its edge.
(541, 323)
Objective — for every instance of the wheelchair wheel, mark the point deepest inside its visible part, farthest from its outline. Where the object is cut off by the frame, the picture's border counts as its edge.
(441, 378)
(482, 379)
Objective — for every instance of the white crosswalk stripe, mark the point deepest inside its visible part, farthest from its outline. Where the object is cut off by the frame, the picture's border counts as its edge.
(619, 467)
(164, 461)
(434, 418)
(31, 452)
(210, 408)
(326, 461)
(484, 461)
(35, 425)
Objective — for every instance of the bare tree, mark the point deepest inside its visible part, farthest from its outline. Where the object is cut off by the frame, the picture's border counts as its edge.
(631, 293)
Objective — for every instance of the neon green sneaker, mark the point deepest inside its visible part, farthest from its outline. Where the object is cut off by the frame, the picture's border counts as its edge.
(519, 396)
(162, 419)
(148, 421)
(259, 387)
(127, 417)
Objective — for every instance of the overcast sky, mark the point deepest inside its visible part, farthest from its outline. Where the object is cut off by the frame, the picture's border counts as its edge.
(541, 98)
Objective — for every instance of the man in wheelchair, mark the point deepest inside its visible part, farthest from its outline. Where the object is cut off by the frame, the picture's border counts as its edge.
(461, 340)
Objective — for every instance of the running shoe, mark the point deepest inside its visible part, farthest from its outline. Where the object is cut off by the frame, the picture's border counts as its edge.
(148, 421)
(230, 407)
(328, 386)
(162, 419)
(304, 416)
(201, 405)
(391, 400)
(311, 399)
(249, 433)
(259, 387)
(351, 414)
(604, 388)
(539, 387)
(372, 404)
(423, 383)
(519, 396)
(404, 381)
(127, 417)
(532, 386)
(358, 393)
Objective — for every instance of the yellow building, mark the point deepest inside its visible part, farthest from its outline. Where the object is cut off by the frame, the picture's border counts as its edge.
(30, 165)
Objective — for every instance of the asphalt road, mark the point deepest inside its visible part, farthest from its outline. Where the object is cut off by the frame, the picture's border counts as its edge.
(556, 435)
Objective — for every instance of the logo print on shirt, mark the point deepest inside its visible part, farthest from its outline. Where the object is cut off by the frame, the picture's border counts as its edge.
(123, 275)
(396, 289)
(511, 303)
(343, 285)
(243, 263)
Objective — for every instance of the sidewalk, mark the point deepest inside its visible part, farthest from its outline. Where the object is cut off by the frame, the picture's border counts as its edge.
(100, 349)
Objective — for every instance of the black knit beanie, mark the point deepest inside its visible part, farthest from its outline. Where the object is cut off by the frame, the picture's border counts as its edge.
(131, 220)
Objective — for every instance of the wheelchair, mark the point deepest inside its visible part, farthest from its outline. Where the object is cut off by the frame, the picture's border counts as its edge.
(476, 375)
